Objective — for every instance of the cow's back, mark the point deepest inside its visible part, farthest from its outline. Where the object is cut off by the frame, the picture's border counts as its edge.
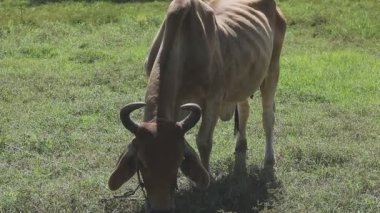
(246, 43)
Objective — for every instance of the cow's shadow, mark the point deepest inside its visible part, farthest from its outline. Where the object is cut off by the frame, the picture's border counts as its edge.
(234, 188)
(238, 189)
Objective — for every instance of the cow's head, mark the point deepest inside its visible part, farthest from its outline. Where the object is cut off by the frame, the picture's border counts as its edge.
(157, 151)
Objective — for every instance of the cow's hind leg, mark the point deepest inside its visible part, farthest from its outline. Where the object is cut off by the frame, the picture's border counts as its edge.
(206, 131)
(268, 87)
(242, 115)
(267, 93)
(268, 90)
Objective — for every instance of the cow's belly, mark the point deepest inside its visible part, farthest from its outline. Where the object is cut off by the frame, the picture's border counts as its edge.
(242, 83)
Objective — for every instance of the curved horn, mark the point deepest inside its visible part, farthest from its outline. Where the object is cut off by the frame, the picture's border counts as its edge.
(194, 116)
(125, 116)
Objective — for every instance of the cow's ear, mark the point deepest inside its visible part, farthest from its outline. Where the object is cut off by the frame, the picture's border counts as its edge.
(192, 168)
(125, 169)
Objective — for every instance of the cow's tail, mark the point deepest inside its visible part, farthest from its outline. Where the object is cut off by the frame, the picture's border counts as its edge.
(236, 124)
(236, 120)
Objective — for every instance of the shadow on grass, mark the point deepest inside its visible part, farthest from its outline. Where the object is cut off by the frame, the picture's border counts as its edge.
(238, 189)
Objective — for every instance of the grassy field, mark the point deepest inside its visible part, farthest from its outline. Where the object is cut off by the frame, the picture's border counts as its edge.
(67, 68)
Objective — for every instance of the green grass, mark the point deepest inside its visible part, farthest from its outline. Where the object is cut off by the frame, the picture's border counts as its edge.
(67, 68)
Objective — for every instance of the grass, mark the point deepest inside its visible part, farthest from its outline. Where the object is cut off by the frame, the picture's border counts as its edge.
(67, 68)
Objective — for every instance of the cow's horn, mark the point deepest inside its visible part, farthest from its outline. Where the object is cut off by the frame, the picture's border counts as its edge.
(125, 116)
(194, 116)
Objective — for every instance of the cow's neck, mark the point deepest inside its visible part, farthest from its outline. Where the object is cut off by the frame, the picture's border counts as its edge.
(151, 98)
(166, 77)
(161, 96)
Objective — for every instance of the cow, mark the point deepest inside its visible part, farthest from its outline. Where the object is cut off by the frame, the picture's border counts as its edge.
(214, 55)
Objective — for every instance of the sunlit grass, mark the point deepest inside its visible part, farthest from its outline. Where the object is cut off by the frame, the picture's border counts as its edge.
(67, 68)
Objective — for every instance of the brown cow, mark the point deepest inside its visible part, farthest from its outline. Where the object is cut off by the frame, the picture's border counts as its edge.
(215, 54)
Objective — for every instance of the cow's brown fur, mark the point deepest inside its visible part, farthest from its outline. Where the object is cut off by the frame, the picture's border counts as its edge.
(215, 54)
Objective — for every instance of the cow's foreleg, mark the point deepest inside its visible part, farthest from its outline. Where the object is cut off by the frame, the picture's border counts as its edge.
(205, 134)
(243, 114)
